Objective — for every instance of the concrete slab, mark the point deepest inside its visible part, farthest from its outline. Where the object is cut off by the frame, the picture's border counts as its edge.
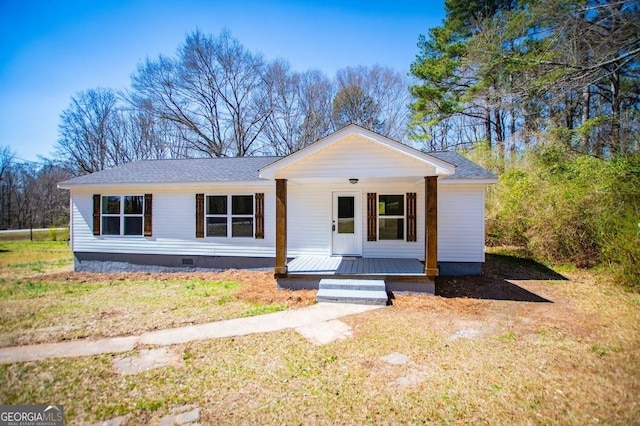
(325, 332)
(73, 348)
(276, 321)
(259, 324)
(148, 359)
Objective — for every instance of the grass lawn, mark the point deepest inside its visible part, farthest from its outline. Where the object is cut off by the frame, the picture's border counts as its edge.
(523, 344)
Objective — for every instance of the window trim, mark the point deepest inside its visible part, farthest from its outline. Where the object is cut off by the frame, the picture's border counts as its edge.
(122, 215)
(230, 216)
(403, 217)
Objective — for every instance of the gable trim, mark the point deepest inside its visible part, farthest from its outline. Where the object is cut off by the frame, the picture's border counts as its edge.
(442, 167)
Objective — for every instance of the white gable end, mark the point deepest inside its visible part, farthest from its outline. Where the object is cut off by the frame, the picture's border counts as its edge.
(356, 157)
(357, 153)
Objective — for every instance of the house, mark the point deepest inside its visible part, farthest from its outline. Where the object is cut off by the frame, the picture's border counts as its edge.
(354, 202)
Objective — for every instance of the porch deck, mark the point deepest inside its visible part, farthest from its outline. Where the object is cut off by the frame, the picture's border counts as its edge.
(343, 265)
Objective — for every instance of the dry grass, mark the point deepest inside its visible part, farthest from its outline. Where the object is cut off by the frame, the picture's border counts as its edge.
(20, 259)
(38, 306)
(479, 354)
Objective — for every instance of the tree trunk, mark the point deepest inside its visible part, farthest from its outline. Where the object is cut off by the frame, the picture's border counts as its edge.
(499, 131)
(586, 110)
(616, 145)
(487, 124)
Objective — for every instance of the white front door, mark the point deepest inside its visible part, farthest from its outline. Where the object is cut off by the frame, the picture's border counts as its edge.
(347, 224)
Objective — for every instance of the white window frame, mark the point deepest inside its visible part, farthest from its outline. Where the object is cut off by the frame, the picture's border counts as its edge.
(403, 217)
(121, 215)
(230, 216)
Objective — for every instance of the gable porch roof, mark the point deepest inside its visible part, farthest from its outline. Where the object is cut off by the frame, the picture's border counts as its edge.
(440, 166)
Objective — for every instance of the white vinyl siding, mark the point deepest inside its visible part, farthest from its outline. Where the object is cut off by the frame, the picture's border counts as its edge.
(173, 226)
(460, 224)
(356, 159)
(309, 219)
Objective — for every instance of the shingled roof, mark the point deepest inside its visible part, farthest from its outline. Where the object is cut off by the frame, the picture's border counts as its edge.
(197, 170)
(465, 168)
(232, 169)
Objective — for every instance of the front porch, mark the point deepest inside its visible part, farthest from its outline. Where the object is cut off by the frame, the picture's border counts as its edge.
(345, 265)
(399, 275)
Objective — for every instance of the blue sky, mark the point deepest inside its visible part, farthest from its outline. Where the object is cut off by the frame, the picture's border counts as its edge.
(51, 49)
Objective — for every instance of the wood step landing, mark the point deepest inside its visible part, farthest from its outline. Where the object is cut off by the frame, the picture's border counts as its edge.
(360, 291)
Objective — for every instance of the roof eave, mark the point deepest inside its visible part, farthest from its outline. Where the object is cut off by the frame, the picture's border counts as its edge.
(468, 181)
(193, 184)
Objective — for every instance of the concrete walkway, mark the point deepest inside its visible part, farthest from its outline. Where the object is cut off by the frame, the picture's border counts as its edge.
(276, 321)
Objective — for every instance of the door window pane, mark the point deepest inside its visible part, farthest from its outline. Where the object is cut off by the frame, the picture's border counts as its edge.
(242, 227)
(242, 204)
(346, 215)
(133, 225)
(216, 227)
(391, 229)
(217, 204)
(391, 205)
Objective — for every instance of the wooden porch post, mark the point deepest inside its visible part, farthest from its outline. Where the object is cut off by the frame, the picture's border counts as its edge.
(281, 227)
(431, 226)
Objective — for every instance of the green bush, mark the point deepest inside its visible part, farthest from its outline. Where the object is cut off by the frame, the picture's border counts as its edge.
(569, 208)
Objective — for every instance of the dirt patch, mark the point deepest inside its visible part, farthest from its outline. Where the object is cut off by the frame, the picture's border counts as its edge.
(513, 295)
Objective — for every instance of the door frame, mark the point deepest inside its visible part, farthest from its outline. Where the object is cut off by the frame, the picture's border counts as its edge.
(357, 194)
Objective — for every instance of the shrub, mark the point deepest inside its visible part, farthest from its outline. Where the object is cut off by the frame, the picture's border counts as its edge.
(565, 207)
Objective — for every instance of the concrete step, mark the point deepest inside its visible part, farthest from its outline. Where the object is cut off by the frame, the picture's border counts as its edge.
(351, 284)
(366, 292)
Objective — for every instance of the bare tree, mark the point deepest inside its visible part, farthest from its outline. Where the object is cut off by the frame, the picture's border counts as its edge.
(373, 97)
(49, 204)
(6, 161)
(299, 106)
(211, 92)
(316, 97)
(86, 132)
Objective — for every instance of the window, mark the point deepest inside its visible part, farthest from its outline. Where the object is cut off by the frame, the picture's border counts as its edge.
(391, 217)
(236, 221)
(122, 215)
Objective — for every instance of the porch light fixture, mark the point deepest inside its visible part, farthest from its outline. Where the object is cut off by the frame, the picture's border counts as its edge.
(353, 181)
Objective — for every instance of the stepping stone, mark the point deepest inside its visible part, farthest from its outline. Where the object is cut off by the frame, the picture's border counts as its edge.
(148, 359)
(183, 415)
(466, 333)
(396, 358)
(325, 332)
(116, 421)
(411, 379)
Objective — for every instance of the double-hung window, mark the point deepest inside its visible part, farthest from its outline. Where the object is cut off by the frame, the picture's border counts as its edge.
(122, 215)
(229, 216)
(391, 217)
